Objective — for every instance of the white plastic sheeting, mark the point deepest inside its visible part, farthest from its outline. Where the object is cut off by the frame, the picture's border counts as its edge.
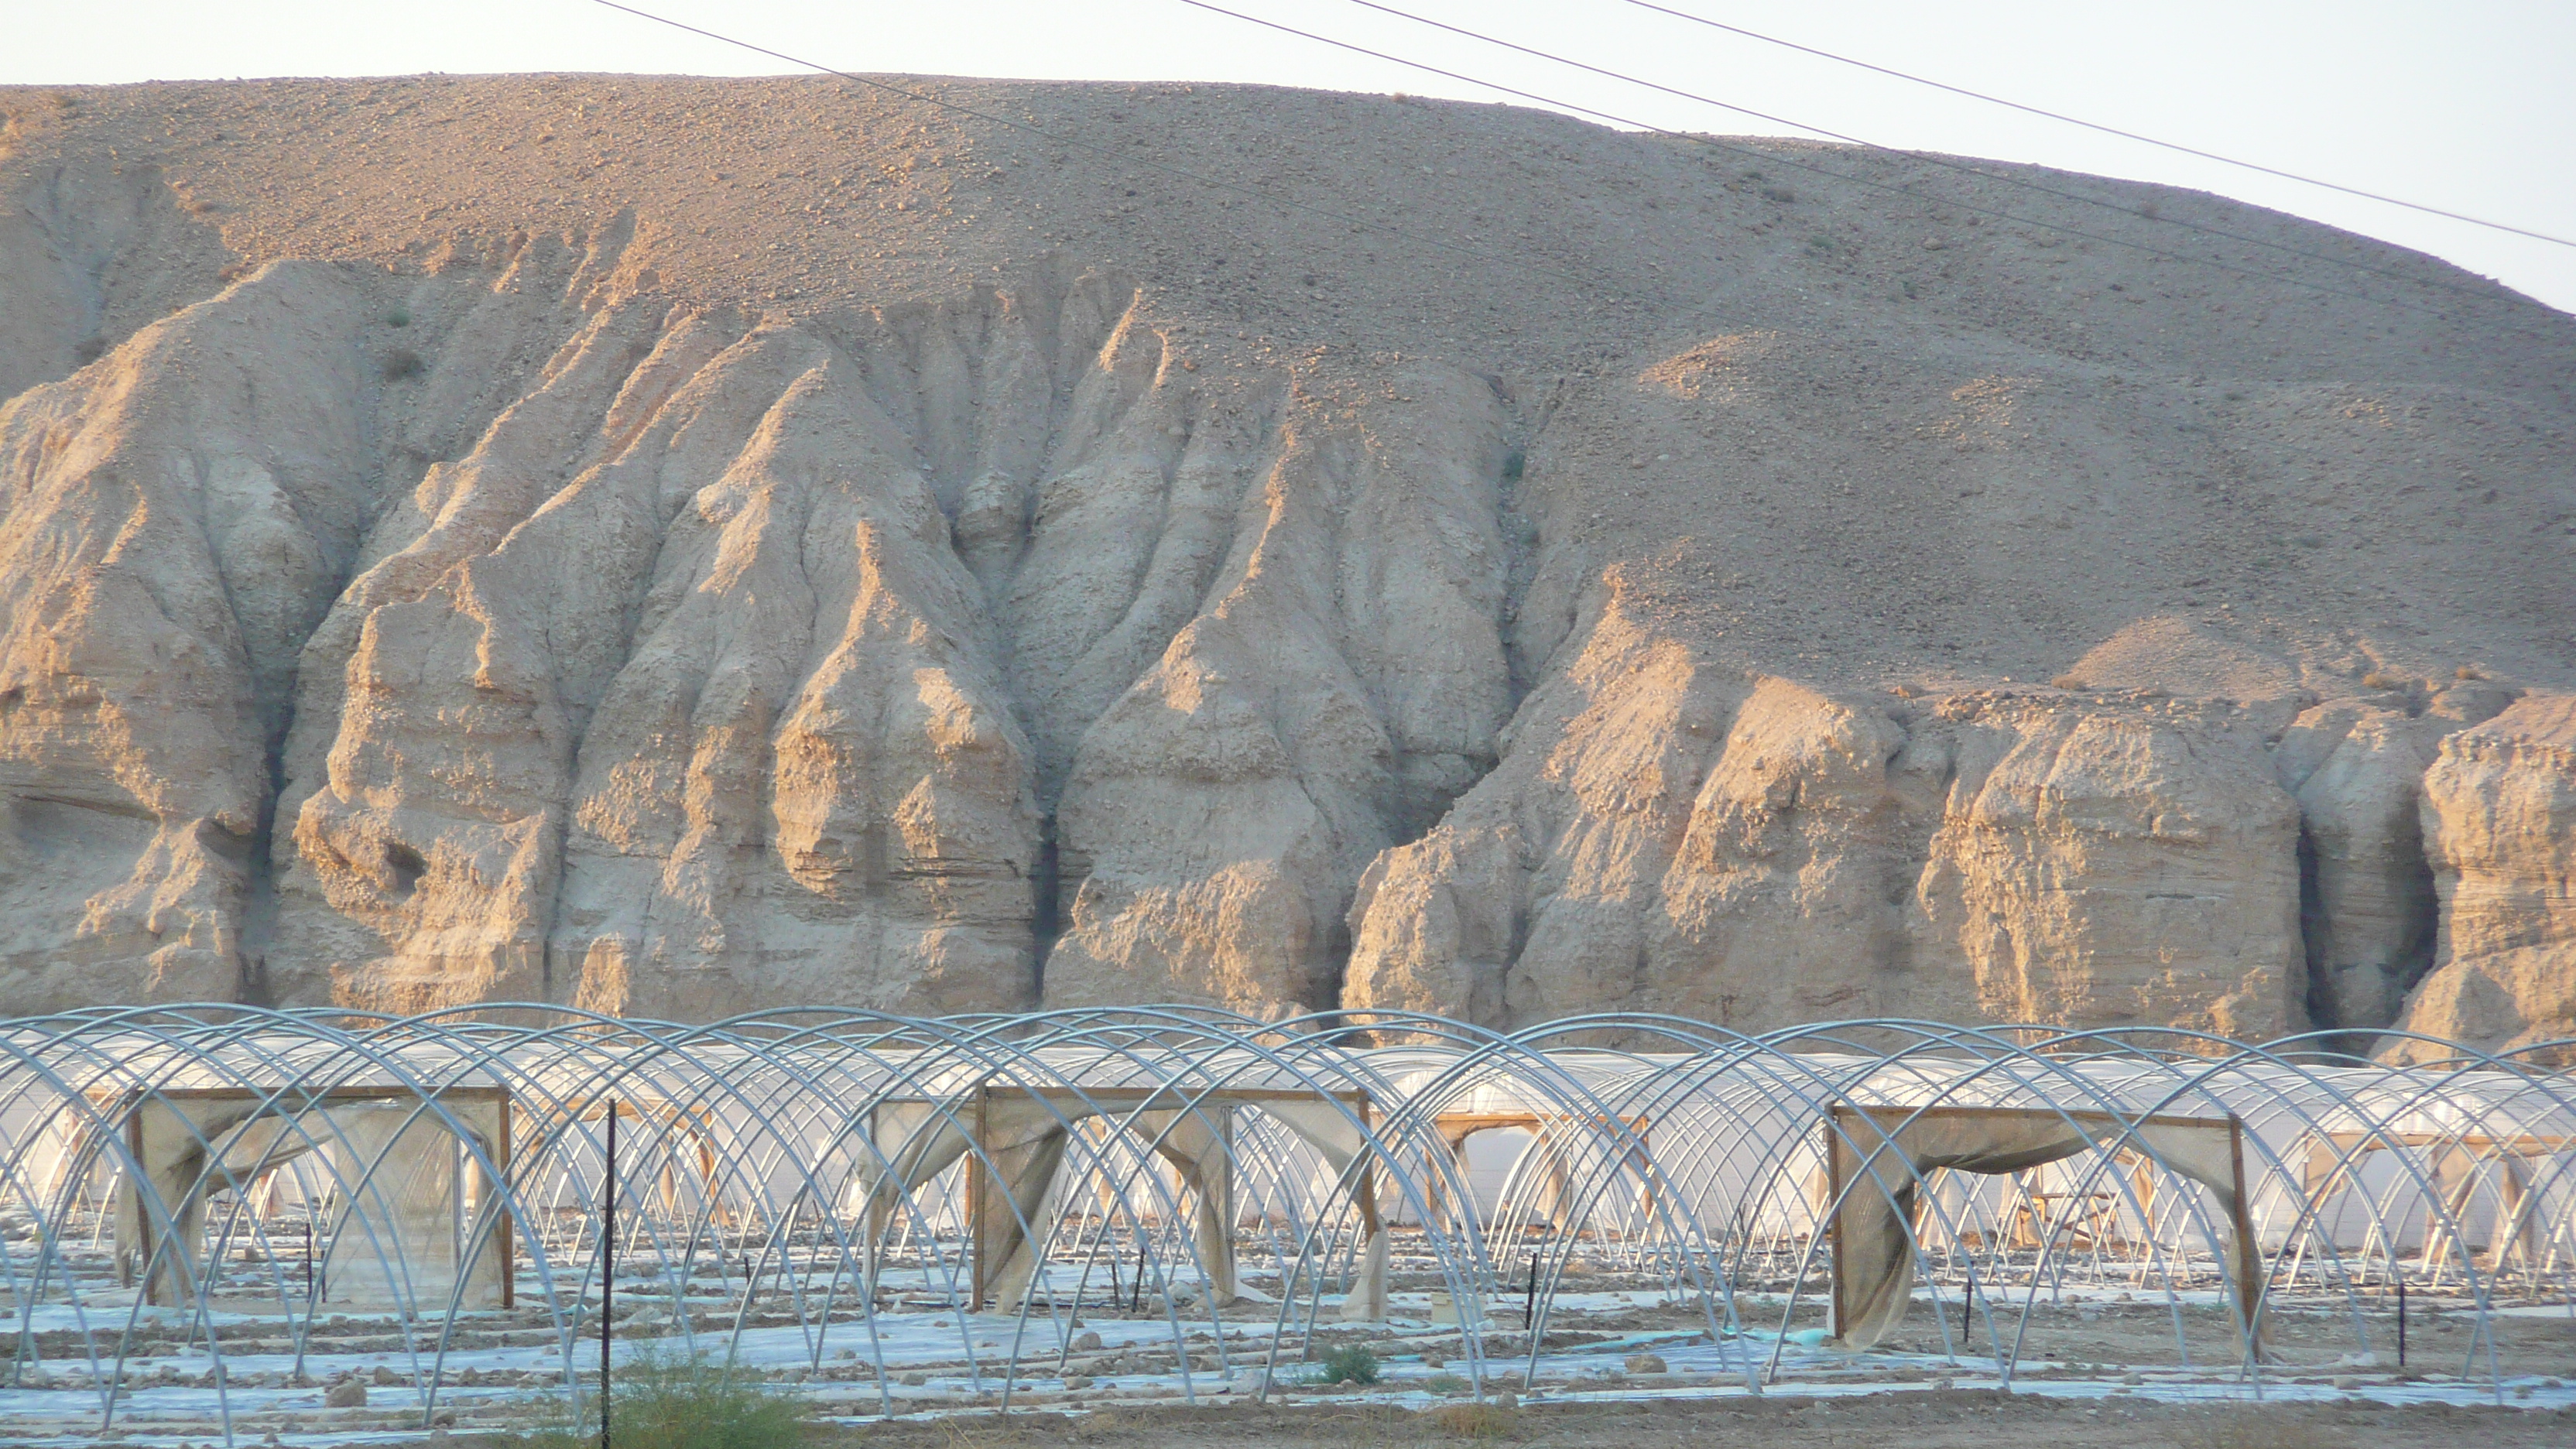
(171, 1175)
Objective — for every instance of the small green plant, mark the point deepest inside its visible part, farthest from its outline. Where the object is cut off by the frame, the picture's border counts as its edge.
(663, 1401)
(398, 317)
(1352, 1363)
(1444, 1384)
(1515, 463)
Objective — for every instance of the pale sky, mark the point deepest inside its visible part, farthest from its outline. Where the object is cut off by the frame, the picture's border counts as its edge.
(2466, 105)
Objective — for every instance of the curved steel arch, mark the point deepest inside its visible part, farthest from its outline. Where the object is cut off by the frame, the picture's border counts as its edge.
(1664, 1154)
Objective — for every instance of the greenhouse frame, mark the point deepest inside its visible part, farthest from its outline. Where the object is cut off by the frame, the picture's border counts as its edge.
(213, 1218)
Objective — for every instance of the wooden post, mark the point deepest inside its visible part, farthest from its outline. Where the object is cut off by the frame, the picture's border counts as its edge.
(2249, 1248)
(136, 1258)
(1833, 1225)
(1650, 1195)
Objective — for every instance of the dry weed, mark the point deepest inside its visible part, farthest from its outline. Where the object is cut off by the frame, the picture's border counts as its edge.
(1471, 1421)
(1388, 1427)
(2252, 1429)
(1103, 1424)
(983, 1433)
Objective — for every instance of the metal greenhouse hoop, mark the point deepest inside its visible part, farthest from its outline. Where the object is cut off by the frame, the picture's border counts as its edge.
(207, 1210)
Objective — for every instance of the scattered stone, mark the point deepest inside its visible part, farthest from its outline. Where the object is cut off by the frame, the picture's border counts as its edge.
(347, 1394)
(1645, 1363)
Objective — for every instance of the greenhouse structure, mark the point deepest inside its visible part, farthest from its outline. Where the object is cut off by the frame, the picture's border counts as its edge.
(226, 1222)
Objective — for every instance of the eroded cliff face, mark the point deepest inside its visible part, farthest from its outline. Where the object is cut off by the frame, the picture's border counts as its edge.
(1344, 680)
(1757, 853)
(672, 661)
(698, 705)
(842, 585)
(180, 517)
(2499, 823)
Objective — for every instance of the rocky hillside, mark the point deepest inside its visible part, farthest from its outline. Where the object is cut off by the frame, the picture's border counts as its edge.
(682, 546)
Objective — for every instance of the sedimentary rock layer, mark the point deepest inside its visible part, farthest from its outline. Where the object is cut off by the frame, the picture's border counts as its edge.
(877, 559)
(2499, 824)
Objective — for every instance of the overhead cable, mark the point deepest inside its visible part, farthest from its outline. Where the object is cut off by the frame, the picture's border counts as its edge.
(1775, 158)
(2126, 135)
(1121, 155)
(1126, 157)
(1926, 158)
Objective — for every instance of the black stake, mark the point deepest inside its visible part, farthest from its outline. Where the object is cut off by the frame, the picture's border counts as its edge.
(1529, 1307)
(308, 1255)
(1139, 1305)
(1967, 1307)
(607, 1268)
(2401, 1323)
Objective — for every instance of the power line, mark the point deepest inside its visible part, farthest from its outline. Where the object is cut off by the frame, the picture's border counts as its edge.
(1124, 158)
(1772, 158)
(1944, 162)
(2174, 146)
(1480, 254)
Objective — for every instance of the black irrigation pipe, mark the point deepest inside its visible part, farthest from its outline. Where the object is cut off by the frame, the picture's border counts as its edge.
(607, 1268)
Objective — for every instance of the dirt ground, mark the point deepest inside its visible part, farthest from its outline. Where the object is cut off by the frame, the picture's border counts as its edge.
(1928, 1420)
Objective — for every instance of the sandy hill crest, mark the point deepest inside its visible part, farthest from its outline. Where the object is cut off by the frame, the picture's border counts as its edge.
(679, 545)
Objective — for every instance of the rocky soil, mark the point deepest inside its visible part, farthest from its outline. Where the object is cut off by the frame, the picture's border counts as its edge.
(687, 546)
(1955, 1419)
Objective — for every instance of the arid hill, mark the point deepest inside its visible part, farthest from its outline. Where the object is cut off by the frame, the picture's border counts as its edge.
(683, 546)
